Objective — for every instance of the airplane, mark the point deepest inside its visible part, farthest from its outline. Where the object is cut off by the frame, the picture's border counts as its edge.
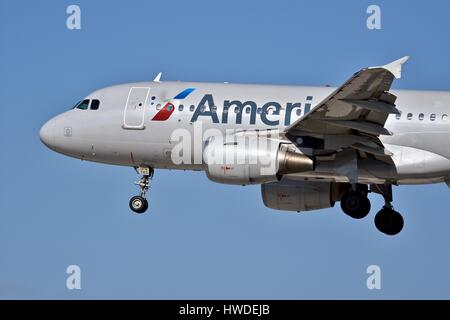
(308, 147)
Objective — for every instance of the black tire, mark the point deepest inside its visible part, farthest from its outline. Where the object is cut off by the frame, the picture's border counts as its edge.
(389, 222)
(355, 204)
(138, 204)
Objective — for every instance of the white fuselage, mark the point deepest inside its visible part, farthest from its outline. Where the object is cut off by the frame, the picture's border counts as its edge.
(141, 123)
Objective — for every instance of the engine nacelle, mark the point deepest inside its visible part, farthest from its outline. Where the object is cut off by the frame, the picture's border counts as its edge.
(252, 161)
(298, 195)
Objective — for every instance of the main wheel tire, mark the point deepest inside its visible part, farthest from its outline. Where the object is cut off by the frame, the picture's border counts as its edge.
(355, 204)
(389, 222)
(138, 204)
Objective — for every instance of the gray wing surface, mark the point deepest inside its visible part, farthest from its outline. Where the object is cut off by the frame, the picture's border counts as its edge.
(354, 115)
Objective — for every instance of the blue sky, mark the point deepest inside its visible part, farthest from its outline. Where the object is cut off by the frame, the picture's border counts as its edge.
(202, 240)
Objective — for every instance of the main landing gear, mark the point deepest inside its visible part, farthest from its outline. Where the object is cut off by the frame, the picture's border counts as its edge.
(387, 220)
(139, 204)
(356, 204)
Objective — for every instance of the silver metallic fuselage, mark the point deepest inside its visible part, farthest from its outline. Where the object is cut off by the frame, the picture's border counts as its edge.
(420, 146)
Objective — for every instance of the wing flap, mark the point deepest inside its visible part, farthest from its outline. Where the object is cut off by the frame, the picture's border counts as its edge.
(366, 127)
(378, 151)
(378, 106)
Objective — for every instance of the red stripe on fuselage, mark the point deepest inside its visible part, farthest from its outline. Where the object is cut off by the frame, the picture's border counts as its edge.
(164, 113)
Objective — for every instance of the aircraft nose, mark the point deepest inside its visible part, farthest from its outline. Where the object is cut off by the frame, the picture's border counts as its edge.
(46, 133)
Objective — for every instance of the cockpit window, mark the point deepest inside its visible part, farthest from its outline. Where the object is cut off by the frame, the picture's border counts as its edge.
(95, 104)
(76, 104)
(83, 105)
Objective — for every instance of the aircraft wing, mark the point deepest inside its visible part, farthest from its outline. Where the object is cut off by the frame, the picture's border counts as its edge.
(354, 115)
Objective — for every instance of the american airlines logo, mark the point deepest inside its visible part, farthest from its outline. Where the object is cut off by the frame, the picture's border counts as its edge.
(269, 113)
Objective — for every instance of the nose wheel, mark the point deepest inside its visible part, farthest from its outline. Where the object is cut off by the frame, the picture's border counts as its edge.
(139, 204)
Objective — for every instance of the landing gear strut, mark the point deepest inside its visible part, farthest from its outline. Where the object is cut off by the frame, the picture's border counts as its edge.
(387, 220)
(139, 204)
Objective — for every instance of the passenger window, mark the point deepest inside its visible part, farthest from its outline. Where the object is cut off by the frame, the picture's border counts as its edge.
(421, 116)
(432, 117)
(259, 111)
(444, 117)
(191, 108)
(95, 104)
(247, 110)
(398, 116)
(180, 107)
(409, 116)
(158, 106)
(83, 105)
(299, 112)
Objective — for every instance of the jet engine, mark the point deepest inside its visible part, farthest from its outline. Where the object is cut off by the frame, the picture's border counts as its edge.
(252, 161)
(298, 195)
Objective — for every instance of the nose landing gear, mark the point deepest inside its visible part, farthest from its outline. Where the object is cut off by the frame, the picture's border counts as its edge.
(139, 204)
